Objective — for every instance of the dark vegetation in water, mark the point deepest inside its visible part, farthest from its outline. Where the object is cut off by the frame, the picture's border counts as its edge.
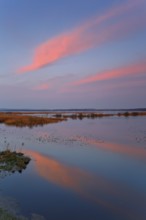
(6, 215)
(12, 161)
(87, 115)
(20, 120)
(81, 115)
(127, 114)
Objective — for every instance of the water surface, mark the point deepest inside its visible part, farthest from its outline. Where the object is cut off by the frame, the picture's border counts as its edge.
(80, 169)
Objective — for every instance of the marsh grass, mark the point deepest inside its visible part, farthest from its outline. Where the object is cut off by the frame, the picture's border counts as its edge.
(19, 120)
(13, 119)
(12, 161)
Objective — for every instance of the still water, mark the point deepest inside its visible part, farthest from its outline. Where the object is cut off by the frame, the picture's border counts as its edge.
(80, 170)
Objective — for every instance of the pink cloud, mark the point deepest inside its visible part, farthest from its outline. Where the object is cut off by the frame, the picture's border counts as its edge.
(86, 36)
(129, 70)
(68, 83)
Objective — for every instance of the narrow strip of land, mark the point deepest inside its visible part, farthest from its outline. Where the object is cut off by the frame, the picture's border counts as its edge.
(32, 119)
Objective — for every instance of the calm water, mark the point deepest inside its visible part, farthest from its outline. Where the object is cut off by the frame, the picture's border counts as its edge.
(80, 170)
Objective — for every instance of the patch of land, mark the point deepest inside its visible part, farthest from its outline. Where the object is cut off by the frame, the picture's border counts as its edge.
(20, 120)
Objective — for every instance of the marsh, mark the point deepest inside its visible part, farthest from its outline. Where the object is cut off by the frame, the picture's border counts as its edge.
(84, 169)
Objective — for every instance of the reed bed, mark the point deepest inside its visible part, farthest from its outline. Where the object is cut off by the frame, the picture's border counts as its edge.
(20, 120)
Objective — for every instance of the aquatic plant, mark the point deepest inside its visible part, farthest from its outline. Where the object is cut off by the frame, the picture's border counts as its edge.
(20, 120)
(12, 161)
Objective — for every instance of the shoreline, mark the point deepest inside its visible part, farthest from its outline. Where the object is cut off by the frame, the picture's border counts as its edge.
(33, 119)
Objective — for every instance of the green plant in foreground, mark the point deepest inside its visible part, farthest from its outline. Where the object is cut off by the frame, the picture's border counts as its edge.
(12, 161)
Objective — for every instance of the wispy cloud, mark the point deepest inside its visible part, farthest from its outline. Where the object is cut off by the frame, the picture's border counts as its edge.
(129, 70)
(94, 32)
(131, 74)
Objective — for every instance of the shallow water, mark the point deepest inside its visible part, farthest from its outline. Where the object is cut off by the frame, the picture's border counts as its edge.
(80, 169)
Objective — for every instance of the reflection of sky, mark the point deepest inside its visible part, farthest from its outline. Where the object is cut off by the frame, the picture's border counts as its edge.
(100, 162)
(94, 188)
(77, 48)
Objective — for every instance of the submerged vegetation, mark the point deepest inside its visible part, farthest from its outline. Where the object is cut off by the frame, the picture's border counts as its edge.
(7, 215)
(12, 161)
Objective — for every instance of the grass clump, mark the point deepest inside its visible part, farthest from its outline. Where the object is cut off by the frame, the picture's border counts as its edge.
(81, 115)
(12, 161)
(20, 120)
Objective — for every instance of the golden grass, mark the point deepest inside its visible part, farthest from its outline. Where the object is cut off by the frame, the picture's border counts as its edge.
(26, 120)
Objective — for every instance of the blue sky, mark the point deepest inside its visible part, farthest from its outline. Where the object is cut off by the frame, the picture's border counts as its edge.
(72, 54)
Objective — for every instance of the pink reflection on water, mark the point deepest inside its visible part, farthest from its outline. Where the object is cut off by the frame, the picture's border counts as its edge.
(137, 152)
(94, 188)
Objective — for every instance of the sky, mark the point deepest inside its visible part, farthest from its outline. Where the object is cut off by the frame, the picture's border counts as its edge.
(72, 54)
